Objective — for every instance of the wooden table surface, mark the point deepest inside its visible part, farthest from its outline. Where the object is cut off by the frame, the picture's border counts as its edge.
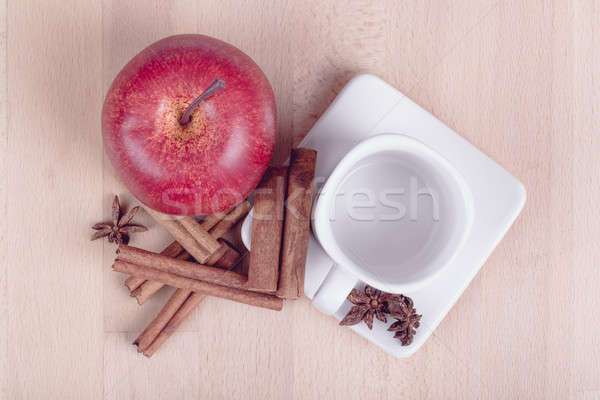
(518, 79)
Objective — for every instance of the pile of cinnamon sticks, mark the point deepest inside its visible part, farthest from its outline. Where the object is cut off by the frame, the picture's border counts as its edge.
(200, 262)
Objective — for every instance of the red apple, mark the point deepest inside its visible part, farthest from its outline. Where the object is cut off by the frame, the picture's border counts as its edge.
(198, 167)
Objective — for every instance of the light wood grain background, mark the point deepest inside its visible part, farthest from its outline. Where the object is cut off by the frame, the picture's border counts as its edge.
(518, 79)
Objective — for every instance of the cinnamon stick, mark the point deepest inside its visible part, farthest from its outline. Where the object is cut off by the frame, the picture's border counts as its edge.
(218, 254)
(188, 232)
(179, 267)
(176, 311)
(232, 218)
(142, 290)
(200, 234)
(226, 257)
(133, 283)
(242, 296)
(172, 250)
(267, 223)
(182, 313)
(151, 332)
(211, 220)
(296, 228)
(229, 259)
(147, 289)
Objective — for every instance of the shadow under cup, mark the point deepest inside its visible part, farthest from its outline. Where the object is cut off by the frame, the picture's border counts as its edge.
(398, 215)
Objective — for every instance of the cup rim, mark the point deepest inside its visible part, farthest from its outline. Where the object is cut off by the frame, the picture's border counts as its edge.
(373, 145)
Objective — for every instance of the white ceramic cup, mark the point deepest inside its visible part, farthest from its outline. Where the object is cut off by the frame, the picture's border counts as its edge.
(392, 214)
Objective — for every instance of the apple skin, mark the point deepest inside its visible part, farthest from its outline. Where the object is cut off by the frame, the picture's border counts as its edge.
(214, 161)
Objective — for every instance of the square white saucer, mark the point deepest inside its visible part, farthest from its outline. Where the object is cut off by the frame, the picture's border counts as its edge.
(367, 106)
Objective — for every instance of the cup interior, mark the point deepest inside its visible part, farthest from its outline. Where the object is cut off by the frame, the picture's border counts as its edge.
(396, 212)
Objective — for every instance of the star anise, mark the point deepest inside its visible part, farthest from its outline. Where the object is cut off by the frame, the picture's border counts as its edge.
(376, 303)
(407, 320)
(119, 229)
(366, 305)
(398, 305)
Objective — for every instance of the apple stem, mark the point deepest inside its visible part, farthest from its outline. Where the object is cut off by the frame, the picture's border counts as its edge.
(218, 84)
